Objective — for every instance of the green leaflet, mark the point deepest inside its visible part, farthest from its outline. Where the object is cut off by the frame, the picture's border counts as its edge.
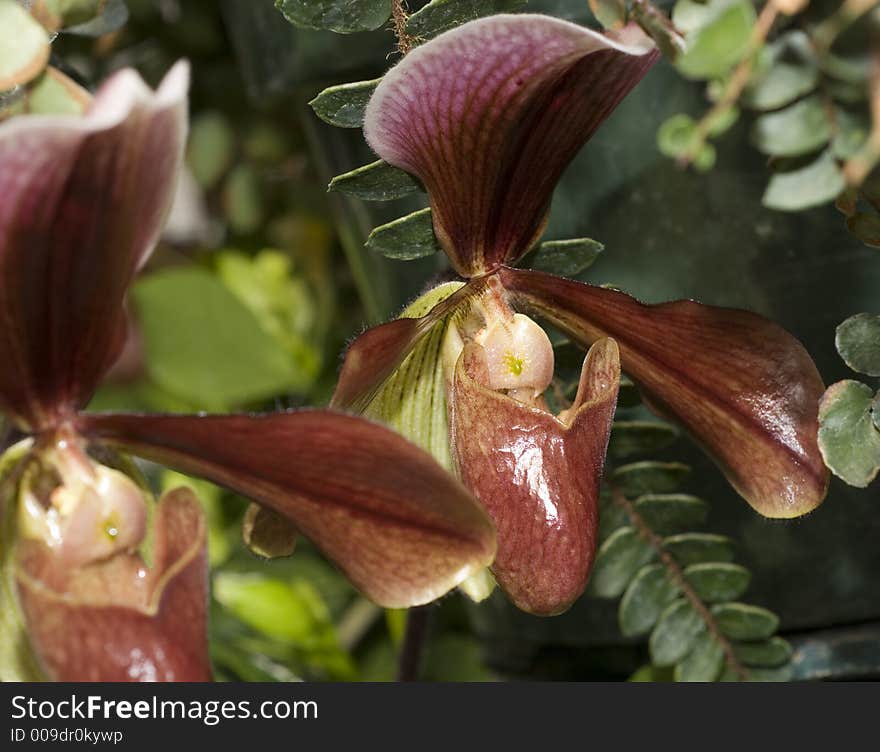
(798, 129)
(618, 559)
(671, 513)
(817, 183)
(849, 437)
(344, 105)
(694, 548)
(377, 181)
(650, 592)
(440, 15)
(407, 238)
(566, 258)
(741, 621)
(341, 16)
(703, 663)
(639, 478)
(858, 341)
(630, 437)
(675, 634)
(715, 582)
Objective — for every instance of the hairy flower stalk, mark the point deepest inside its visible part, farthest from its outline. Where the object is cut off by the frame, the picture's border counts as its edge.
(100, 583)
(487, 116)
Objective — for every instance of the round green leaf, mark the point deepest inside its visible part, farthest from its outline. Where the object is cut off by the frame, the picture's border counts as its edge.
(243, 199)
(669, 513)
(741, 621)
(817, 183)
(675, 634)
(694, 548)
(720, 41)
(858, 341)
(617, 561)
(849, 438)
(647, 596)
(211, 148)
(715, 582)
(785, 72)
(24, 46)
(798, 129)
(341, 16)
(438, 16)
(703, 663)
(677, 135)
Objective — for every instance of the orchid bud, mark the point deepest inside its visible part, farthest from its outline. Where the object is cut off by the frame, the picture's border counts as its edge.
(82, 510)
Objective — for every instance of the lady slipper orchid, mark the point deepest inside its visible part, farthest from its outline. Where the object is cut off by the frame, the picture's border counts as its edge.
(487, 116)
(83, 202)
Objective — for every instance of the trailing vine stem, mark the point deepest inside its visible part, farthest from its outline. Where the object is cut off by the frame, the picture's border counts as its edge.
(677, 574)
(399, 17)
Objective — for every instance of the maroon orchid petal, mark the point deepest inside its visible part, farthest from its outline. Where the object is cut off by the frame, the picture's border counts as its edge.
(489, 114)
(374, 355)
(402, 528)
(741, 385)
(538, 476)
(83, 202)
(118, 620)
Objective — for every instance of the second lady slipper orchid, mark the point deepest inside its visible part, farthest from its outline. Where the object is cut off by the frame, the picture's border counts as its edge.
(108, 589)
(487, 116)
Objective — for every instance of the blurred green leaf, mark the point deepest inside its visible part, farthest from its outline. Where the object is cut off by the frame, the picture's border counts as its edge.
(610, 13)
(670, 513)
(741, 621)
(203, 345)
(858, 341)
(786, 71)
(721, 40)
(617, 561)
(24, 50)
(58, 14)
(344, 105)
(377, 181)
(407, 238)
(715, 582)
(703, 663)
(219, 544)
(281, 301)
(243, 200)
(341, 16)
(675, 634)
(639, 437)
(848, 435)
(211, 148)
(798, 129)
(650, 592)
(649, 673)
(694, 548)
(817, 183)
(677, 136)
(766, 654)
(637, 478)
(566, 258)
(52, 93)
(440, 15)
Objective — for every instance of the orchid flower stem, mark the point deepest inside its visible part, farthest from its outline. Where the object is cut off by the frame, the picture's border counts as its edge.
(414, 641)
(677, 574)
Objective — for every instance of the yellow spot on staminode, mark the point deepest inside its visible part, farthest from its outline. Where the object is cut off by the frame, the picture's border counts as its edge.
(111, 528)
(514, 364)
